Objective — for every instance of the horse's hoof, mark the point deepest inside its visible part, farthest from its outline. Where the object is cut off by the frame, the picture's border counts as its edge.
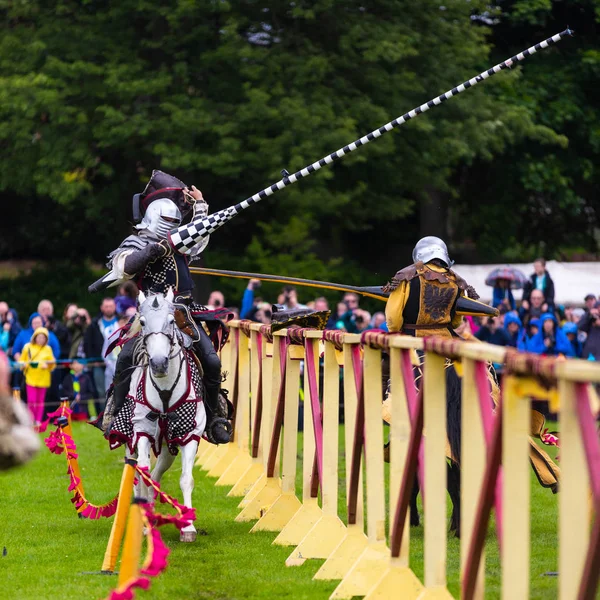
(187, 536)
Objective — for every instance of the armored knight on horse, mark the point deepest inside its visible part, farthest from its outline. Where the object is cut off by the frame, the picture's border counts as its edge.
(423, 301)
(148, 258)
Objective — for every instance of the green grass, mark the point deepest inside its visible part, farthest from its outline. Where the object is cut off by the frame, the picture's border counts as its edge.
(50, 553)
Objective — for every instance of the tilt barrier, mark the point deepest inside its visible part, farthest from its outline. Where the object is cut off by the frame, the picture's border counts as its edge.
(496, 452)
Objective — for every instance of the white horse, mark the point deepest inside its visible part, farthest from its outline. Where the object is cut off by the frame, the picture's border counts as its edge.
(165, 406)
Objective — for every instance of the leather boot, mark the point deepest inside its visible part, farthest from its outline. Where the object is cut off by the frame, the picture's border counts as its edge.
(218, 429)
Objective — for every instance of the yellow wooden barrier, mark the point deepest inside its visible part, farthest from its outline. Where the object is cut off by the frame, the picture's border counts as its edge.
(255, 469)
(266, 489)
(239, 374)
(239, 460)
(328, 531)
(285, 506)
(372, 563)
(352, 545)
(397, 579)
(362, 563)
(310, 511)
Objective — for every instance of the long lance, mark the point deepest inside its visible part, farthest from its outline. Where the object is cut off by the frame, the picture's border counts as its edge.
(185, 237)
(464, 306)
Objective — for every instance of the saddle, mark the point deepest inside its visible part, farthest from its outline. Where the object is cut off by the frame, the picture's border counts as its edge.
(184, 319)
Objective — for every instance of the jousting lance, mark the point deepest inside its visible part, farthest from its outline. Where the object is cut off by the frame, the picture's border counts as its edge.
(464, 306)
(185, 237)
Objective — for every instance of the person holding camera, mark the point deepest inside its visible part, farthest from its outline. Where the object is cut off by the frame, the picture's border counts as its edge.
(289, 298)
(77, 320)
(590, 324)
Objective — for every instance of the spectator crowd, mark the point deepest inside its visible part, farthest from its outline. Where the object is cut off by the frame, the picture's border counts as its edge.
(539, 324)
(64, 356)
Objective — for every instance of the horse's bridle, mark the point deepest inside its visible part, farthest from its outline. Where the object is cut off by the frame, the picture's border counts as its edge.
(165, 395)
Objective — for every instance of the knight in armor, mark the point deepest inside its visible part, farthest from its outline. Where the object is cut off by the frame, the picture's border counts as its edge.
(423, 296)
(423, 302)
(149, 258)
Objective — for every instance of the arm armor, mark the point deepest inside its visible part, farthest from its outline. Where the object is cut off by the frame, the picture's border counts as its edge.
(137, 261)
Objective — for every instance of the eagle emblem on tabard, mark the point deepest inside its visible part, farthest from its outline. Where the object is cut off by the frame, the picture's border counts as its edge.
(438, 301)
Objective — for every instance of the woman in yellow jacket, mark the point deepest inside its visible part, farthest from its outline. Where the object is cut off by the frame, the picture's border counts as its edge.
(38, 360)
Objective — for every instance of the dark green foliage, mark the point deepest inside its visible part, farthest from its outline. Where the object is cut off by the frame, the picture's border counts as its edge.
(94, 95)
(60, 281)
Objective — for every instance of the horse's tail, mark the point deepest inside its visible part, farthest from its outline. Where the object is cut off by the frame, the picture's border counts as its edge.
(453, 411)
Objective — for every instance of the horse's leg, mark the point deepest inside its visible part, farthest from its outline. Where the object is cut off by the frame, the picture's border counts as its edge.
(188, 457)
(143, 451)
(163, 463)
(454, 491)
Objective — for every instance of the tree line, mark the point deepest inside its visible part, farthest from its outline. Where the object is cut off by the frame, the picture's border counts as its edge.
(227, 93)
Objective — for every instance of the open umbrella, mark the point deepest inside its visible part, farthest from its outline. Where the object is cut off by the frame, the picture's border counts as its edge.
(517, 278)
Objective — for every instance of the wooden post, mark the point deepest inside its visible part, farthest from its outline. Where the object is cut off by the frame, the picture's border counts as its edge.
(132, 548)
(515, 550)
(268, 488)
(573, 500)
(328, 531)
(249, 476)
(473, 454)
(349, 549)
(265, 423)
(118, 526)
(398, 580)
(240, 389)
(331, 403)
(434, 397)
(373, 562)
(240, 459)
(310, 512)
(286, 505)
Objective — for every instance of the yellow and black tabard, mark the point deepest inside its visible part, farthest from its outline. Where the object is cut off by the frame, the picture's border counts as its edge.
(423, 299)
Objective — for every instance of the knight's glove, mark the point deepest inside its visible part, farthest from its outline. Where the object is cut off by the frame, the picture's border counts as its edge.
(137, 261)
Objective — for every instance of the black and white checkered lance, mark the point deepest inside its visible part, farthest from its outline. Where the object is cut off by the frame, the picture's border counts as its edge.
(185, 237)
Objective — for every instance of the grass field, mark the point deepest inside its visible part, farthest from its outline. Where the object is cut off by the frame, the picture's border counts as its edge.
(51, 554)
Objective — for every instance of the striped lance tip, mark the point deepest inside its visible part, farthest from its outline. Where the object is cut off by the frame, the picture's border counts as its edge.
(185, 237)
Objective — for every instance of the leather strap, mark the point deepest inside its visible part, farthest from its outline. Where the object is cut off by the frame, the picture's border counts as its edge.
(412, 326)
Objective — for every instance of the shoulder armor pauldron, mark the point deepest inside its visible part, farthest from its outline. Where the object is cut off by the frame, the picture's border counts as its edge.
(405, 274)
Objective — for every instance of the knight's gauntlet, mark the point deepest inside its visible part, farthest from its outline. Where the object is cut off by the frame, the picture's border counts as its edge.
(137, 261)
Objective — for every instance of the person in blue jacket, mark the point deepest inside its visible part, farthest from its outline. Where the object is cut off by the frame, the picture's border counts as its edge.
(514, 328)
(571, 331)
(35, 320)
(550, 340)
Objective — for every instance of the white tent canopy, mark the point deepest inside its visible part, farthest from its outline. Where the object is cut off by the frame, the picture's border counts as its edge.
(572, 281)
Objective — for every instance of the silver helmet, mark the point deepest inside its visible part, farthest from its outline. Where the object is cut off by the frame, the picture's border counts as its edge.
(431, 247)
(161, 216)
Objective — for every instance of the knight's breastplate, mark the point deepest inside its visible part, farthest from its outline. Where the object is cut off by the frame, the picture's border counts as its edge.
(168, 272)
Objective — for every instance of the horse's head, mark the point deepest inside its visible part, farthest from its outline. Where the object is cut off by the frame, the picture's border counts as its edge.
(157, 318)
